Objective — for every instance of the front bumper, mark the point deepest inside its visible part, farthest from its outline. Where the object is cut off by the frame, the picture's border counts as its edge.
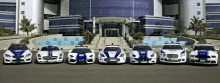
(143, 60)
(42, 60)
(173, 60)
(17, 60)
(207, 61)
(112, 60)
(74, 60)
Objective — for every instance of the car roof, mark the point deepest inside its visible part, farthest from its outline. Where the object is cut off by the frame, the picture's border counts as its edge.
(172, 44)
(204, 45)
(50, 45)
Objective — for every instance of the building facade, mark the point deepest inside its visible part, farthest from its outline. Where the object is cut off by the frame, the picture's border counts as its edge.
(107, 17)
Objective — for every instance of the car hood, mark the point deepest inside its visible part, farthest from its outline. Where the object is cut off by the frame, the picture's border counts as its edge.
(138, 53)
(112, 54)
(17, 52)
(75, 54)
(173, 51)
(203, 52)
(49, 53)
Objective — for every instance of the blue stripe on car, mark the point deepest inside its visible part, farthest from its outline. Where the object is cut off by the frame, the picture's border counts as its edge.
(17, 53)
(142, 55)
(203, 53)
(116, 55)
(83, 58)
(106, 54)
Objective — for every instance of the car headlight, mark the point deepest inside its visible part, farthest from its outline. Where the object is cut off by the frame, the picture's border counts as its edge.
(61, 55)
(7, 55)
(183, 54)
(102, 55)
(163, 54)
(91, 56)
(152, 55)
(28, 55)
(38, 55)
(133, 55)
(213, 56)
(122, 55)
(71, 56)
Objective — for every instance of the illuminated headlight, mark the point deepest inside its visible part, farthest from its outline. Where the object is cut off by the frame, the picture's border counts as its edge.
(91, 56)
(28, 55)
(183, 54)
(102, 55)
(122, 55)
(152, 55)
(192, 56)
(213, 56)
(71, 56)
(38, 55)
(7, 55)
(133, 55)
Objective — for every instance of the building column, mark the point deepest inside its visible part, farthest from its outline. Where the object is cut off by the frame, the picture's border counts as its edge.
(100, 30)
(123, 29)
(38, 14)
(93, 25)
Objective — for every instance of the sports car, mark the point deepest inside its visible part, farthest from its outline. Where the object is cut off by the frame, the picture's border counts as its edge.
(173, 53)
(112, 54)
(142, 53)
(49, 54)
(17, 53)
(81, 54)
(204, 54)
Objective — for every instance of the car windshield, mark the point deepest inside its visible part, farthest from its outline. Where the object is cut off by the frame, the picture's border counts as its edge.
(142, 48)
(81, 50)
(172, 47)
(49, 48)
(18, 47)
(204, 48)
(112, 49)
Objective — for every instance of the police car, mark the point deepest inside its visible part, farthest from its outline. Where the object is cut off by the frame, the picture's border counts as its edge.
(142, 53)
(173, 53)
(17, 53)
(49, 54)
(204, 54)
(81, 54)
(112, 54)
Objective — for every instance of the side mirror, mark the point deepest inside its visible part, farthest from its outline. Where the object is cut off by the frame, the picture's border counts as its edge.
(92, 50)
(38, 49)
(70, 51)
(124, 49)
(5, 48)
(100, 49)
(217, 49)
(153, 48)
(61, 48)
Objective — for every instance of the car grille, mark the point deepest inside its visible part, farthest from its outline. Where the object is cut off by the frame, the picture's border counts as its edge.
(172, 55)
(142, 59)
(18, 56)
(108, 59)
(50, 57)
(202, 56)
(173, 60)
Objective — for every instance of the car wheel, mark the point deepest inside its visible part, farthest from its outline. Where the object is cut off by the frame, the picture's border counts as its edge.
(4, 61)
(215, 64)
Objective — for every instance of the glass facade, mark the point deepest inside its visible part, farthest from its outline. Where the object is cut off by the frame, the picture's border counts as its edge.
(157, 22)
(8, 14)
(157, 31)
(210, 15)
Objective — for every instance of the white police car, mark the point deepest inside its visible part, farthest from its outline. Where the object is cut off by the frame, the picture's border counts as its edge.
(50, 54)
(112, 54)
(204, 54)
(173, 53)
(81, 54)
(142, 53)
(17, 53)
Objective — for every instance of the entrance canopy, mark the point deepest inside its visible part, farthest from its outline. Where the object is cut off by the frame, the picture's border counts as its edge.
(113, 19)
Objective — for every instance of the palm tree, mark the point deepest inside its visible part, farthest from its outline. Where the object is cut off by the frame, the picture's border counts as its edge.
(26, 25)
(195, 24)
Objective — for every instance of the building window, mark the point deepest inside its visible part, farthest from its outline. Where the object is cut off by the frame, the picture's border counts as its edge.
(22, 12)
(198, 12)
(198, 4)
(22, 3)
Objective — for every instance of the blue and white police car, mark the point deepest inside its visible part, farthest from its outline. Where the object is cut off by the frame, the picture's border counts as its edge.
(17, 53)
(112, 54)
(81, 54)
(142, 53)
(204, 54)
(50, 54)
(173, 53)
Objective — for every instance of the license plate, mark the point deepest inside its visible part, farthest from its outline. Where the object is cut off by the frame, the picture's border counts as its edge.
(81, 54)
(50, 61)
(143, 61)
(82, 60)
(112, 59)
(173, 59)
(202, 60)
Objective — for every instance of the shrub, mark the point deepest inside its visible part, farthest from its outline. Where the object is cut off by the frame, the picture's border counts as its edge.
(202, 40)
(78, 34)
(132, 33)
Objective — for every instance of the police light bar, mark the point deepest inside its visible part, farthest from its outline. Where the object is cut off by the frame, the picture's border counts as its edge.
(112, 45)
(17, 43)
(205, 43)
(81, 46)
(142, 44)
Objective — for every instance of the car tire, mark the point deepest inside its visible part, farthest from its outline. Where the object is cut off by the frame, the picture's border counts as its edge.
(4, 61)
(215, 64)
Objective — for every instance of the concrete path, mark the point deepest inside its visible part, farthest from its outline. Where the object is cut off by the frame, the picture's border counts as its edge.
(7, 43)
(215, 43)
(109, 40)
